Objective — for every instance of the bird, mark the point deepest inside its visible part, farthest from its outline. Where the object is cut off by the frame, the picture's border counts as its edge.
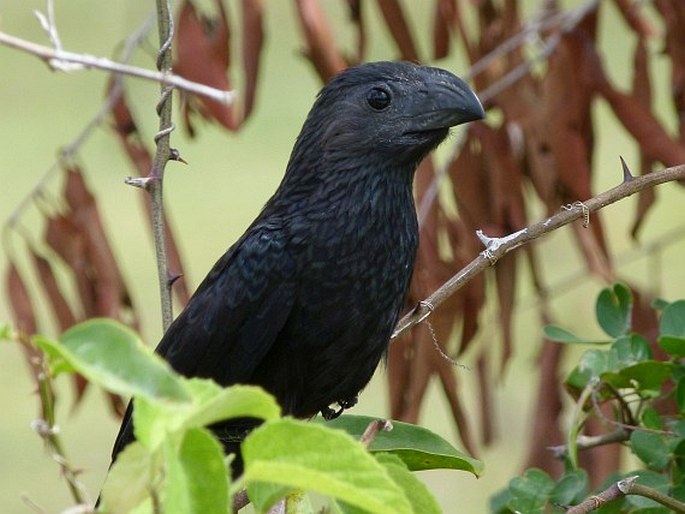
(305, 302)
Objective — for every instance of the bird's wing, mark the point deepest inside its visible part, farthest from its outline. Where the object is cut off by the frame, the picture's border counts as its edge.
(237, 312)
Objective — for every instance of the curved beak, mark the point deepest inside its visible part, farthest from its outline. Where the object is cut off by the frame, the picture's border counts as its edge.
(445, 101)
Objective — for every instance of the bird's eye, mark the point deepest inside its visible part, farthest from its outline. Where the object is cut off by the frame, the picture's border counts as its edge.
(378, 98)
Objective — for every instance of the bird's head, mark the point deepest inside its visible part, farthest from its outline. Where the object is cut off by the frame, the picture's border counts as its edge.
(388, 113)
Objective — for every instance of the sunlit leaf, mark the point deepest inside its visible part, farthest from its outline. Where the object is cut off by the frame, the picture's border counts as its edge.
(422, 501)
(129, 480)
(311, 457)
(196, 475)
(111, 355)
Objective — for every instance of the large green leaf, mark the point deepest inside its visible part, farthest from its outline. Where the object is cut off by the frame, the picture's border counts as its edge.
(418, 447)
(111, 355)
(210, 403)
(422, 501)
(307, 456)
(196, 475)
(129, 480)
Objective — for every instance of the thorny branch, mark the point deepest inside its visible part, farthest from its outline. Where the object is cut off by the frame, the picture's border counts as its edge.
(154, 182)
(496, 248)
(62, 60)
(623, 488)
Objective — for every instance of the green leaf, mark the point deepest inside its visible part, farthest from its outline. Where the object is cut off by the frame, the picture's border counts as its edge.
(530, 492)
(210, 403)
(672, 329)
(129, 480)
(631, 349)
(421, 499)
(561, 335)
(5, 331)
(571, 489)
(196, 475)
(613, 310)
(597, 362)
(112, 356)
(672, 345)
(647, 376)
(652, 419)
(308, 456)
(680, 395)
(418, 447)
(651, 448)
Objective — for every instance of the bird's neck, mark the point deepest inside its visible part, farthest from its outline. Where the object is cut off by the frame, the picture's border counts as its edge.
(347, 189)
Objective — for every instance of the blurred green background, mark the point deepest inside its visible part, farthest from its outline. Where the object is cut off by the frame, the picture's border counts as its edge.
(215, 197)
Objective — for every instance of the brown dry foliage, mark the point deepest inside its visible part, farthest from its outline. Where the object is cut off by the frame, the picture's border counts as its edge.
(540, 149)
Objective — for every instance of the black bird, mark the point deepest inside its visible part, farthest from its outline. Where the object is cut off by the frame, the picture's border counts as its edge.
(304, 303)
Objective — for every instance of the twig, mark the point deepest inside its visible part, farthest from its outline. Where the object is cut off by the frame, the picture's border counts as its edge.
(623, 488)
(55, 58)
(372, 430)
(585, 442)
(501, 246)
(48, 430)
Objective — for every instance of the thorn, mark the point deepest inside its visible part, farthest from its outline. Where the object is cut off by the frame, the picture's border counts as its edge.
(141, 182)
(627, 175)
(175, 155)
(173, 277)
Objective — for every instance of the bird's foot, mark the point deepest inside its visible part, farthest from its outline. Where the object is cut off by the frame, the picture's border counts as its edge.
(328, 413)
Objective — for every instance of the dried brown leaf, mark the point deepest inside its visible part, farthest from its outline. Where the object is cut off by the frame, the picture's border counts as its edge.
(203, 56)
(58, 302)
(23, 316)
(637, 119)
(399, 29)
(673, 14)
(64, 237)
(642, 91)
(110, 291)
(355, 10)
(321, 49)
(444, 19)
(546, 429)
(630, 10)
(253, 39)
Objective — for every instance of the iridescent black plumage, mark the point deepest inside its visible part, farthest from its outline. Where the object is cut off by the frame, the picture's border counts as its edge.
(305, 301)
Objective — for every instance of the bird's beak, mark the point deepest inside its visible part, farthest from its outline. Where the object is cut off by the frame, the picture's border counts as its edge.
(446, 101)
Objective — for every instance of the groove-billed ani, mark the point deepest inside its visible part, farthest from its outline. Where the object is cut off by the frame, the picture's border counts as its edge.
(303, 304)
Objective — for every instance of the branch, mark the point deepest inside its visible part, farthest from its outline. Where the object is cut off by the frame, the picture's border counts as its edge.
(61, 60)
(623, 488)
(585, 442)
(498, 247)
(153, 183)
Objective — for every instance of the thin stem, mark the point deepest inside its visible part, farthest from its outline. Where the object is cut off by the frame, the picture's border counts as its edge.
(498, 247)
(57, 59)
(623, 488)
(163, 154)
